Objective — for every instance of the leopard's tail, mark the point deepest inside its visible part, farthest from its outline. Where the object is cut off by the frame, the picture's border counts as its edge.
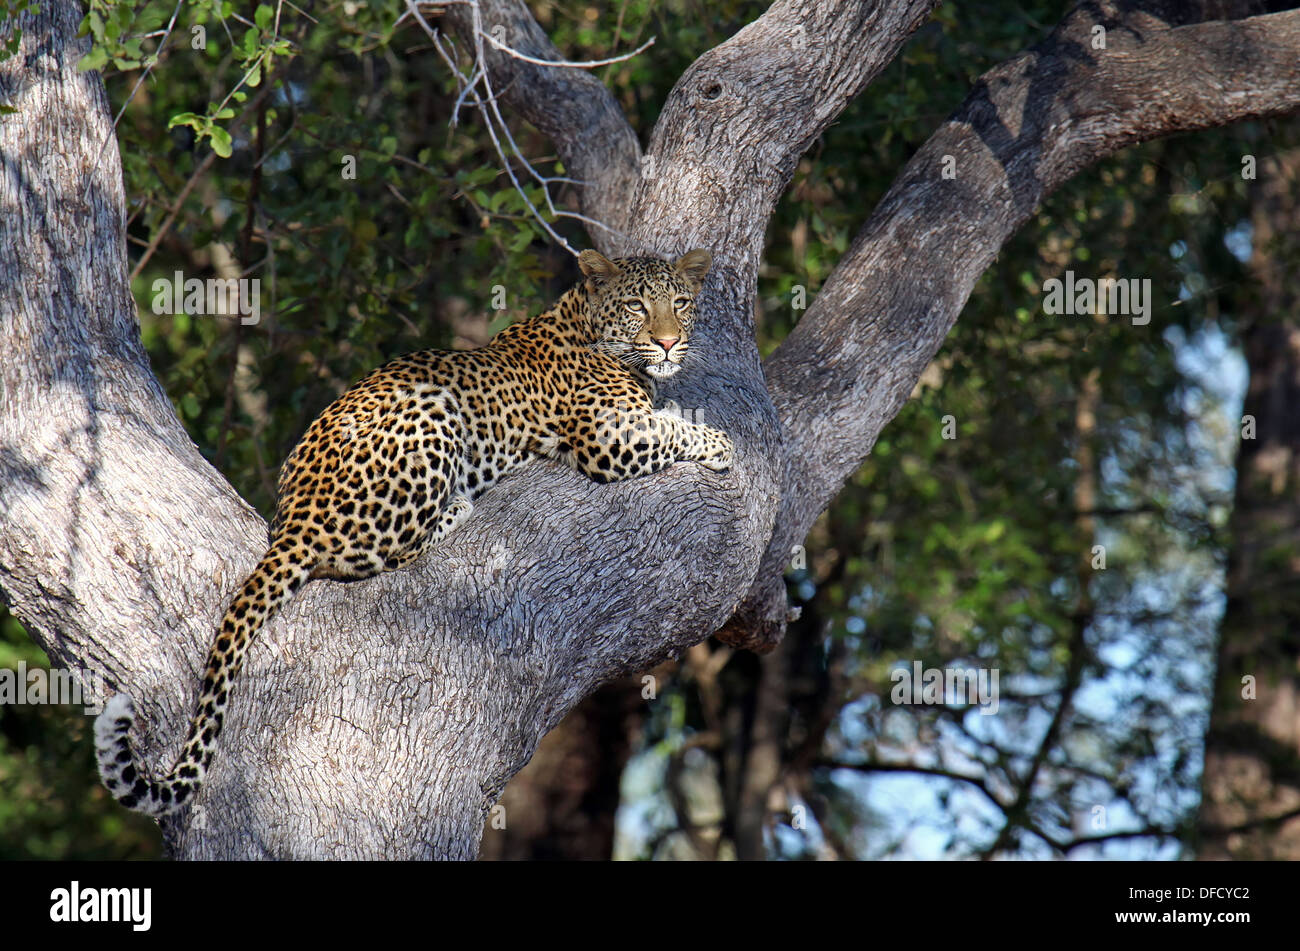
(278, 576)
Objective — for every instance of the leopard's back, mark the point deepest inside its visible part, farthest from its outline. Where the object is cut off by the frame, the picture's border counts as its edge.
(394, 464)
(370, 477)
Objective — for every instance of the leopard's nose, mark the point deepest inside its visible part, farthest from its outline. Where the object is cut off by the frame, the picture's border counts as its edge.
(667, 342)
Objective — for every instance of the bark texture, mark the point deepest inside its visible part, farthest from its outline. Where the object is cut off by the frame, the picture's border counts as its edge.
(384, 718)
(1250, 807)
(562, 805)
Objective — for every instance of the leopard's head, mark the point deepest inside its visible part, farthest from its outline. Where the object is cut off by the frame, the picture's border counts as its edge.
(642, 310)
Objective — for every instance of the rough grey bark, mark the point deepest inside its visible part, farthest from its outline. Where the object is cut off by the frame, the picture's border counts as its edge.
(562, 805)
(383, 718)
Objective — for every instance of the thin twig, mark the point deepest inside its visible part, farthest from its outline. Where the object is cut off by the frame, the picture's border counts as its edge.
(583, 64)
(134, 89)
(488, 104)
(198, 173)
(158, 235)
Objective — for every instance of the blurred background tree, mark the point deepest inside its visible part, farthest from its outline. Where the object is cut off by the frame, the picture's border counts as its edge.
(315, 149)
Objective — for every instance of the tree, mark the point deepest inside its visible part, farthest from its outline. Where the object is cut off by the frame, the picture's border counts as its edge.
(116, 532)
(1251, 787)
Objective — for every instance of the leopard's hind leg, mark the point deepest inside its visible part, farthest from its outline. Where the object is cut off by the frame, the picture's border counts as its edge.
(447, 521)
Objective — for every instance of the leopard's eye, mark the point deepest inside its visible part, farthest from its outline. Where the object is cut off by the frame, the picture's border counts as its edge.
(682, 303)
(635, 306)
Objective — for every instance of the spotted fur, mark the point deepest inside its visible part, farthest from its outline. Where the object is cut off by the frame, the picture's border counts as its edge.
(394, 464)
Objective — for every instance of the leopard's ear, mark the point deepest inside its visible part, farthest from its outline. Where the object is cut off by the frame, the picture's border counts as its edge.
(693, 265)
(598, 268)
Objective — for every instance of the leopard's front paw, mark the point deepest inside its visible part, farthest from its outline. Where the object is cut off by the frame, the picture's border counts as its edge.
(718, 456)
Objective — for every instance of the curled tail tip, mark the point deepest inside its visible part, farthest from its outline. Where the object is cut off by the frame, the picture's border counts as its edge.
(117, 765)
(117, 717)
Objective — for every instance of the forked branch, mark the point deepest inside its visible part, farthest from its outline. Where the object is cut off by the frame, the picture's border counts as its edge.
(1027, 126)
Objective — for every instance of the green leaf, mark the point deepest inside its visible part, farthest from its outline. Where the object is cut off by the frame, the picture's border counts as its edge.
(365, 231)
(151, 18)
(185, 118)
(263, 16)
(480, 176)
(95, 59)
(522, 240)
(220, 141)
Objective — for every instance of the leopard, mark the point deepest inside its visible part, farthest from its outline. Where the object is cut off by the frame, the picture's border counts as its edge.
(394, 465)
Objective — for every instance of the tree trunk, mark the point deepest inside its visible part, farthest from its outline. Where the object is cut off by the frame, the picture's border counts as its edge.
(1250, 805)
(562, 805)
(383, 718)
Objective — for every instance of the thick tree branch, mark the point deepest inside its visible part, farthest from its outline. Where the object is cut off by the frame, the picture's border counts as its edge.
(731, 132)
(569, 106)
(725, 147)
(1027, 126)
(377, 718)
(384, 717)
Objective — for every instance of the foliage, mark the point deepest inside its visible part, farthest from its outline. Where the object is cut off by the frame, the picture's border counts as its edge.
(51, 804)
(315, 151)
(11, 32)
(970, 552)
